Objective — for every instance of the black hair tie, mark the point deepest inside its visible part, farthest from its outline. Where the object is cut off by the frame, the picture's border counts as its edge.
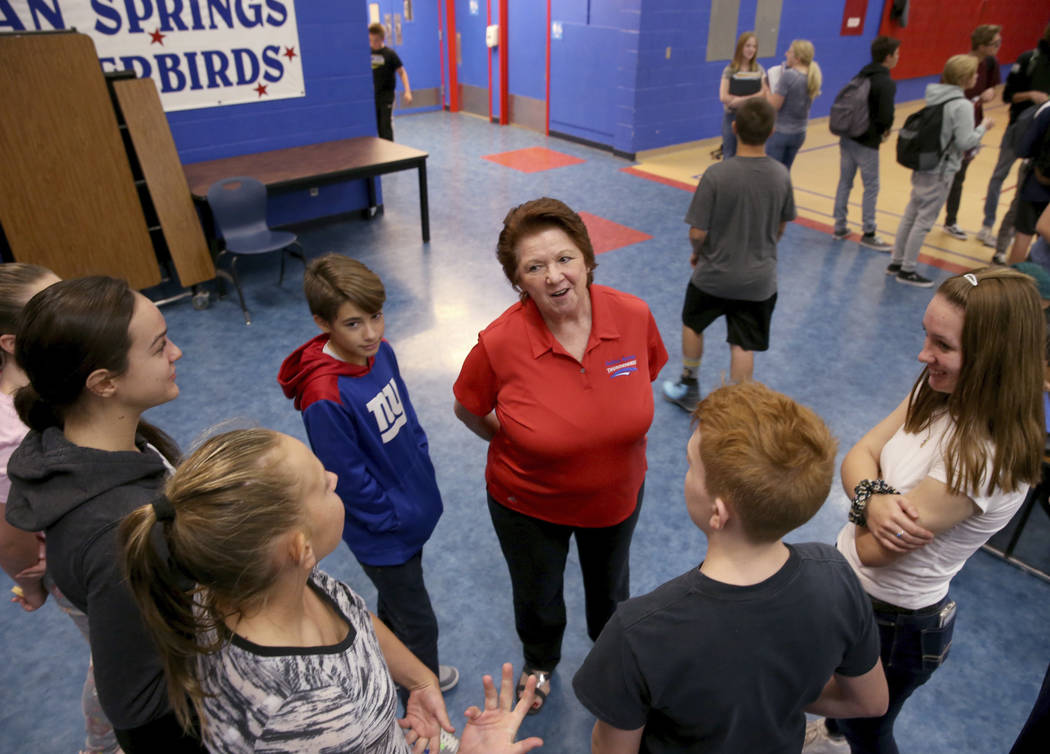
(158, 537)
(163, 509)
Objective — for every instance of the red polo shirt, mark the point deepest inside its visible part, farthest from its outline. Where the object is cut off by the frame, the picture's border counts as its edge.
(571, 445)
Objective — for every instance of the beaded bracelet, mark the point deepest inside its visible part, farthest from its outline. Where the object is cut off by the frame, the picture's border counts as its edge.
(861, 494)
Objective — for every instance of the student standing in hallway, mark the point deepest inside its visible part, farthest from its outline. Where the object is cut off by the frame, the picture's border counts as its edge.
(929, 187)
(362, 425)
(863, 151)
(736, 218)
(760, 466)
(984, 45)
(796, 88)
(386, 63)
(742, 79)
(1027, 84)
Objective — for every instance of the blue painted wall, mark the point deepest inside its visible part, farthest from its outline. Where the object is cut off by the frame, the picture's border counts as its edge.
(593, 68)
(527, 49)
(473, 66)
(339, 104)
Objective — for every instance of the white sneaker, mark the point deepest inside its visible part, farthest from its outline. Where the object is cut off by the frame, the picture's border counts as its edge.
(955, 232)
(819, 741)
(986, 236)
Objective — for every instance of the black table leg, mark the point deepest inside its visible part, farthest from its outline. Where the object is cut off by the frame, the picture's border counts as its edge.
(424, 205)
(370, 182)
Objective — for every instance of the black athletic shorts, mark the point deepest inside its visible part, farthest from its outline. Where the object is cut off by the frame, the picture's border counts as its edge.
(1027, 216)
(747, 322)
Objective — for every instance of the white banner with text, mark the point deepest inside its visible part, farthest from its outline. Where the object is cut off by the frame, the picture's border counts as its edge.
(200, 53)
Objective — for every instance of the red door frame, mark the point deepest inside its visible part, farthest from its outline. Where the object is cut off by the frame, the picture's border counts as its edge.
(450, 47)
(504, 96)
(503, 58)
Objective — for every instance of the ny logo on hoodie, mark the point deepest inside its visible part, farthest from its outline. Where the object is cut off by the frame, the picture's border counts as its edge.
(388, 412)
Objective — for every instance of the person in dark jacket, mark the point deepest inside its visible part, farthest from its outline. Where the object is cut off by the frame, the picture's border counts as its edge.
(1027, 84)
(863, 151)
(97, 356)
(1033, 187)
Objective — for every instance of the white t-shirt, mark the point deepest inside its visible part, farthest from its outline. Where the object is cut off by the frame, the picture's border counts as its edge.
(921, 577)
(12, 430)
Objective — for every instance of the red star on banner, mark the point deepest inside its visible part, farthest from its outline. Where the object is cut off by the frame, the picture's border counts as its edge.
(156, 38)
(261, 89)
(289, 52)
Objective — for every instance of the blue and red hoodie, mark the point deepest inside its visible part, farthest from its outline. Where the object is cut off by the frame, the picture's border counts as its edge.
(362, 426)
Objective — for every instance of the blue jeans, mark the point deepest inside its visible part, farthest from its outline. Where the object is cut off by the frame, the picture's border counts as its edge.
(784, 147)
(913, 646)
(728, 137)
(1007, 155)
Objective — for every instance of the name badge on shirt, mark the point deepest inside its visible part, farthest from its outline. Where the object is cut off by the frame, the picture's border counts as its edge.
(622, 366)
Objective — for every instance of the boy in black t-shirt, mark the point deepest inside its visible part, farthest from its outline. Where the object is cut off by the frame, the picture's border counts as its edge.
(385, 63)
(728, 656)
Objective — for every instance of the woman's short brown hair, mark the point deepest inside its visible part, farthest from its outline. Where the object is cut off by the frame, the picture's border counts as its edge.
(532, 217)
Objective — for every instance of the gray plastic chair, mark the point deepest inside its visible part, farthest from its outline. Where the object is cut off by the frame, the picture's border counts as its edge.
(239, 208)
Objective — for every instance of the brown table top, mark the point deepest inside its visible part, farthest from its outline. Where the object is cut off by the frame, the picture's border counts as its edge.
(361, 156)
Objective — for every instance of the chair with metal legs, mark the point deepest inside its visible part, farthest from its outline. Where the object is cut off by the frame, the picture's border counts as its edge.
(238, 206)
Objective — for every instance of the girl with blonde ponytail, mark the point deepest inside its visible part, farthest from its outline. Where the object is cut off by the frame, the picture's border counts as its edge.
(796, 88)
(268, 651)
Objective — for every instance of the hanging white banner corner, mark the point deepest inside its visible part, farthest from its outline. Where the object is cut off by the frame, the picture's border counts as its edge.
(199, 54)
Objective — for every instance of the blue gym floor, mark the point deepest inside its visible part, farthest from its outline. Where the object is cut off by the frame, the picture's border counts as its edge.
(844, 341)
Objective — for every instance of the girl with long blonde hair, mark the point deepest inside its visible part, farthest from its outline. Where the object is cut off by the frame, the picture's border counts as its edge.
(262, 647)
(796, 88)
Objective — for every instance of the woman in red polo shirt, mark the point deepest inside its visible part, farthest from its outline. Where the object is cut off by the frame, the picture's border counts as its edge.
(559, 385)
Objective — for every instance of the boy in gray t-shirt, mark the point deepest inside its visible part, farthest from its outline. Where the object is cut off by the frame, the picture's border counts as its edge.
(737, 215)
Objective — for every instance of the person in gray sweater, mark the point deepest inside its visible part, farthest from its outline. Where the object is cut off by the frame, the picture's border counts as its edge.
(929, 188)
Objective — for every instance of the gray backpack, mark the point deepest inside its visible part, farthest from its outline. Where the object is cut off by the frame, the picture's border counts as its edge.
(849, 112)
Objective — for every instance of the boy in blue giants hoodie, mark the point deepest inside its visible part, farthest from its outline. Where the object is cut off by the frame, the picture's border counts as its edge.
(362, 426)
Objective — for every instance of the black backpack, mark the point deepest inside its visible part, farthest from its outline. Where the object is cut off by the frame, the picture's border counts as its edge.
(919, 140)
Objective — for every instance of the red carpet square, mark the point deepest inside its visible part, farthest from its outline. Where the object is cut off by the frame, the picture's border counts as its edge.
(533, 159)
(607, 235)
